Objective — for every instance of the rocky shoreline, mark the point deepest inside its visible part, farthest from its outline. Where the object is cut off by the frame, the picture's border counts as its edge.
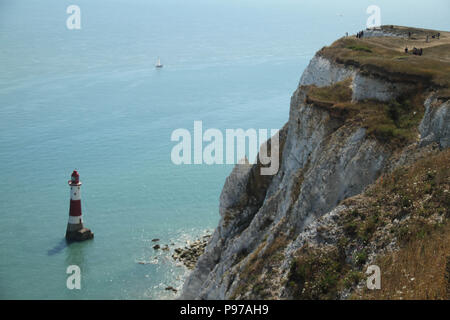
(189, 254)
(186, 255)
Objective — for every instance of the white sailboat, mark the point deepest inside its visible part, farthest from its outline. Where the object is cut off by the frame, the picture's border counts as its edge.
(158, 64)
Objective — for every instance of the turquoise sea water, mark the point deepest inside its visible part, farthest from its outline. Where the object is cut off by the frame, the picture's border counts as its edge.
(91, 99)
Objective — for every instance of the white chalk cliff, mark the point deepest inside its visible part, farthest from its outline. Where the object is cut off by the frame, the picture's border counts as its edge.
(323, 160)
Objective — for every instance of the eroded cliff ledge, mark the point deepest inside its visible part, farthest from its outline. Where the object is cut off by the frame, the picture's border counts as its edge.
(363, 110)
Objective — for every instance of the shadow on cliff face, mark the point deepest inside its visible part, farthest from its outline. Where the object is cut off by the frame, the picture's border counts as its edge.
(59, 247)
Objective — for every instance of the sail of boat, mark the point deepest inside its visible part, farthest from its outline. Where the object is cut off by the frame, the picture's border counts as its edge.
(158, 64)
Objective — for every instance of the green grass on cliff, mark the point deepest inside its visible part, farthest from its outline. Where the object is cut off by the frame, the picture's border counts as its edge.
(359, 48)
(331, 95)
(394, 123)
(255, 275)
(318, 274)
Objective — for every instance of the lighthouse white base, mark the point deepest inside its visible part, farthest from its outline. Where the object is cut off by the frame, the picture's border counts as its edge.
(75, 220)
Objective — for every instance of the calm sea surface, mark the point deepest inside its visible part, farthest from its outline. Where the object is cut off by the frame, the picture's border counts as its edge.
(92, 100)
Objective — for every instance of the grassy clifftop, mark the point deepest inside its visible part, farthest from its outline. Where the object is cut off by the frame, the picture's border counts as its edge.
(392, 122)
(386, 55)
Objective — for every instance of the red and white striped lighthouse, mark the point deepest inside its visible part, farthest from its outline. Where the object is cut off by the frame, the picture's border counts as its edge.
(75, 229)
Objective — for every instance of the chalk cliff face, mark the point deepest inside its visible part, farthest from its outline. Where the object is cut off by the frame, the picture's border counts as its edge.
(435, 126)
(324, 159)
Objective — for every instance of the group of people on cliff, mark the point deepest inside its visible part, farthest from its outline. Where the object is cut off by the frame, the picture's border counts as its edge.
(434, 36)
(415, 51)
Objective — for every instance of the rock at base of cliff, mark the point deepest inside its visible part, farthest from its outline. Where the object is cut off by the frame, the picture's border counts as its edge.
(190, 253)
